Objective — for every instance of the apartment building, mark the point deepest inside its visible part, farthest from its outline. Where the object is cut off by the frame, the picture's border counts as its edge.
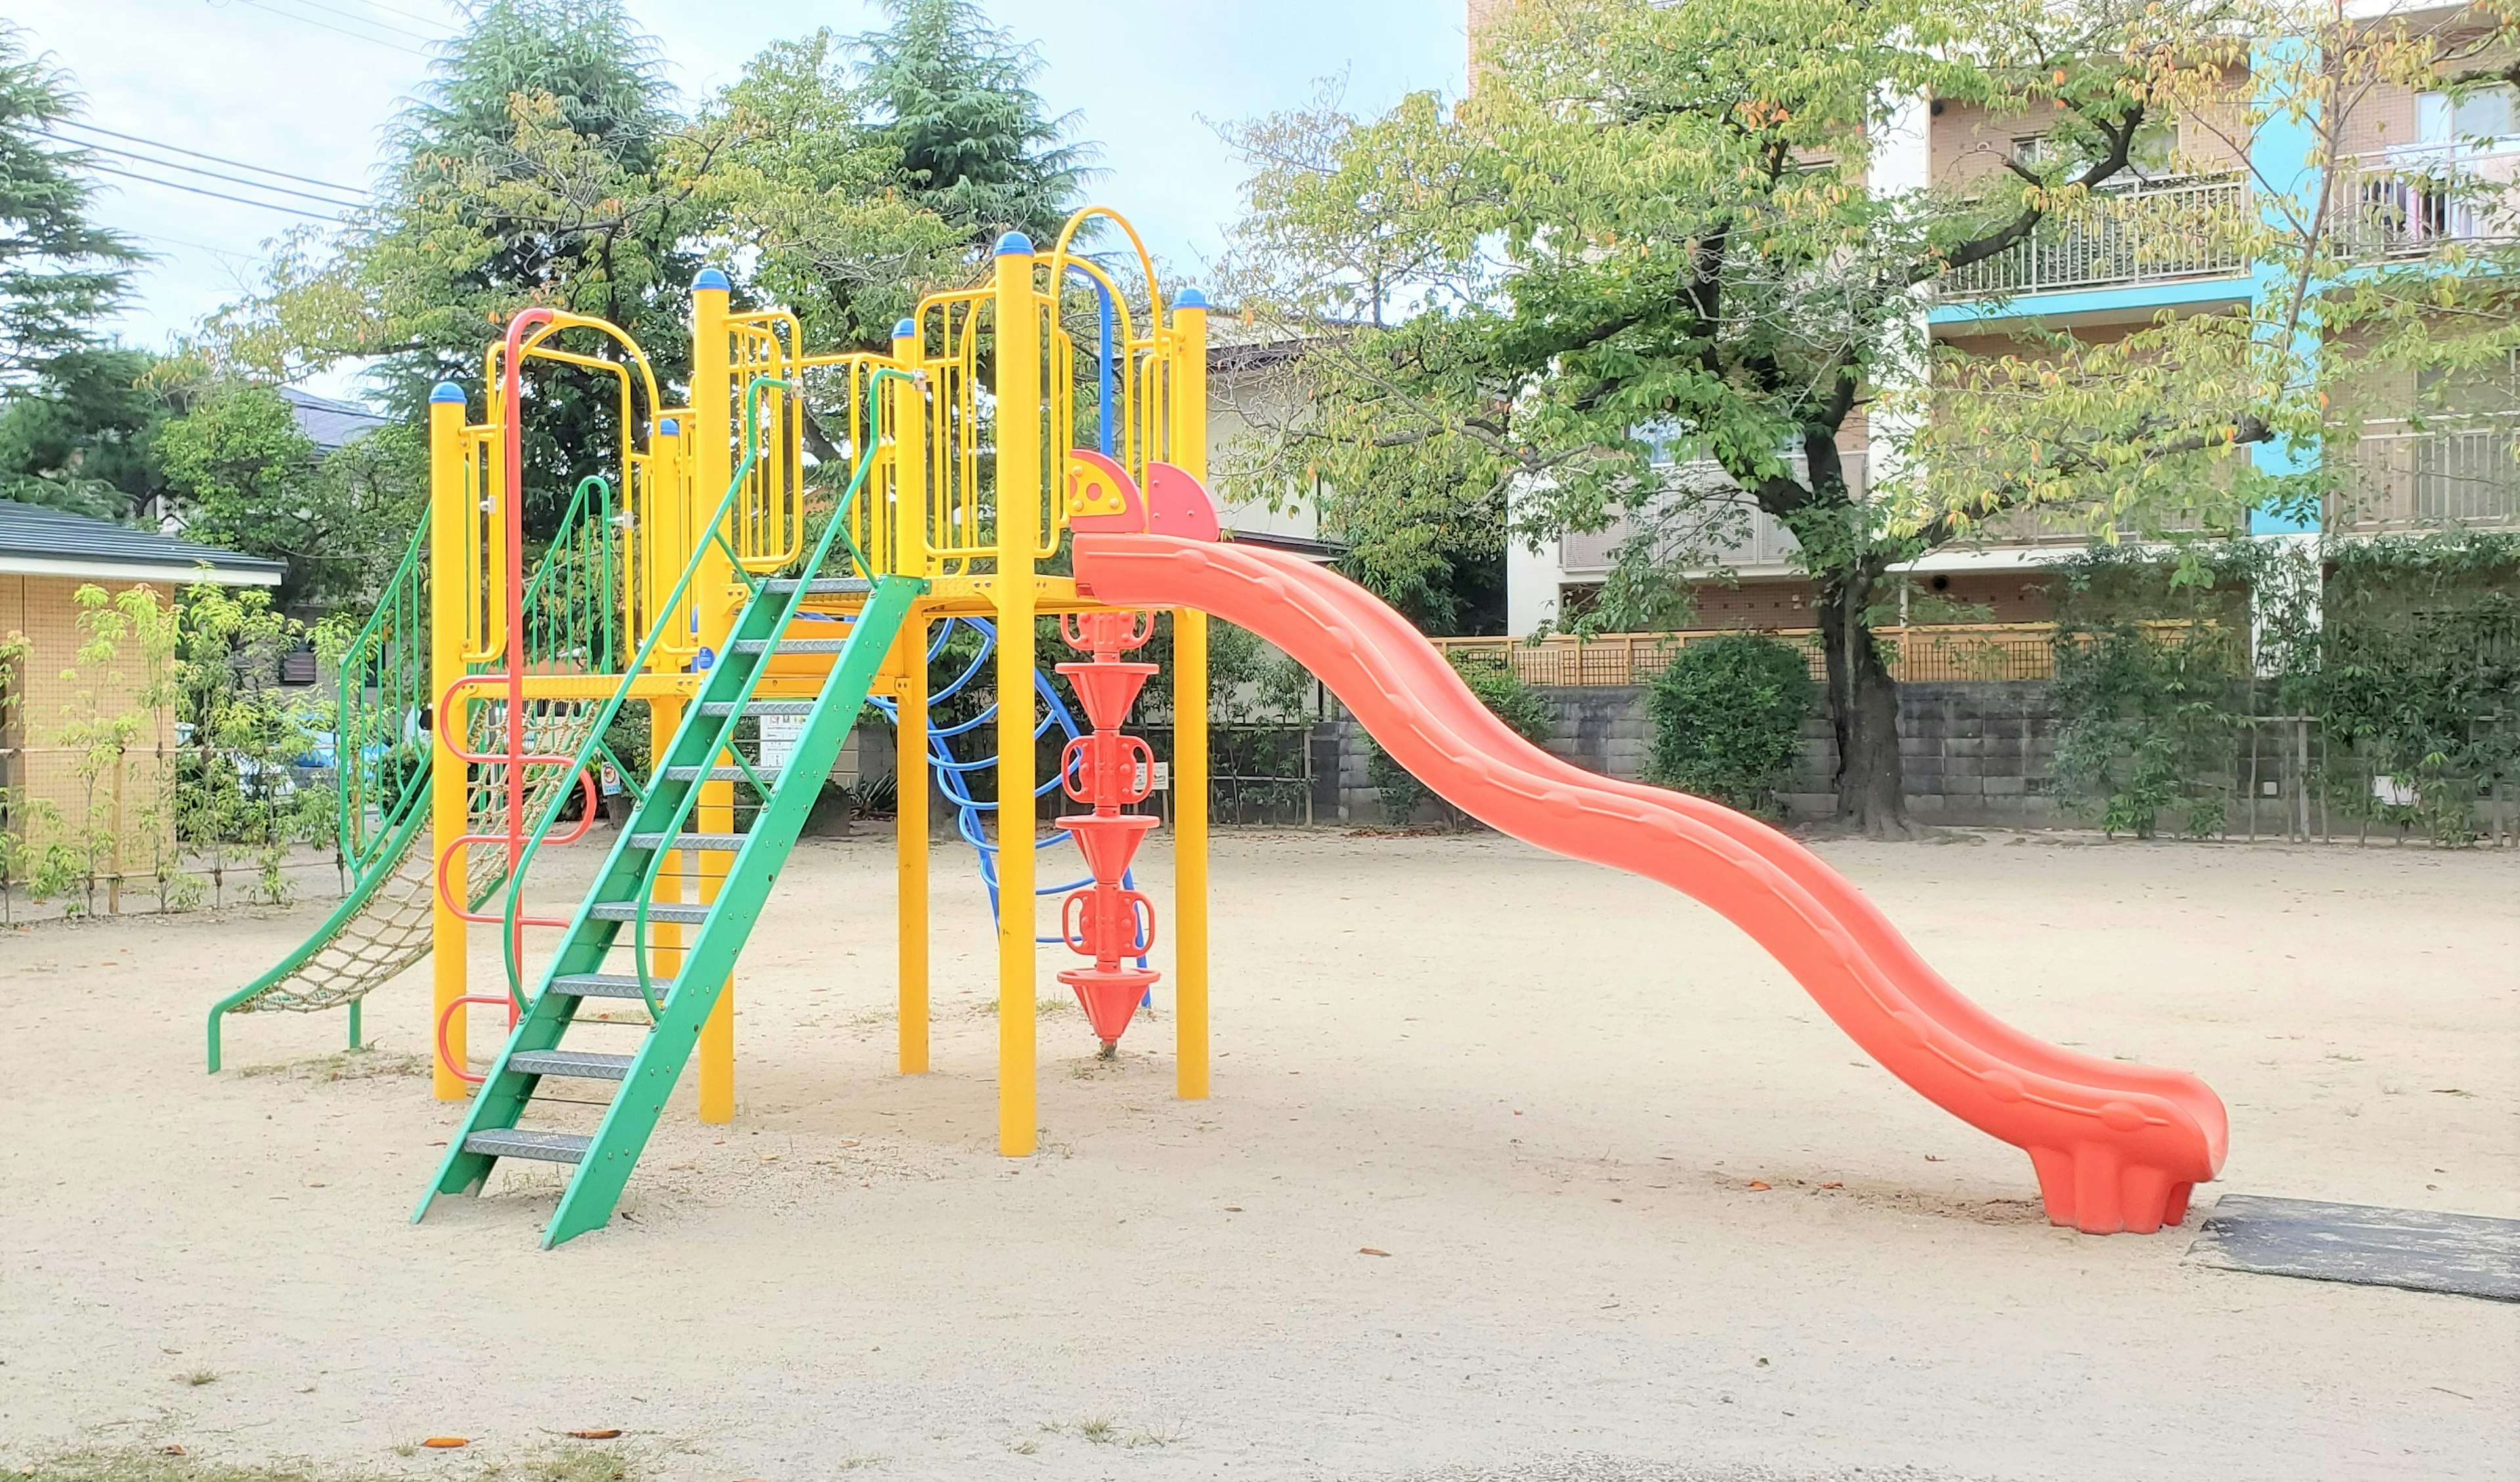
(2433, 451)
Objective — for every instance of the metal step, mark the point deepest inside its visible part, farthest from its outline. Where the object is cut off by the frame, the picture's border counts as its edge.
(730, 842)
(795, 707)
(790, 645)
(584, 1065)
(518, 1143)
(680, 913)
(609, 985)
(821, 586)
(717, 775)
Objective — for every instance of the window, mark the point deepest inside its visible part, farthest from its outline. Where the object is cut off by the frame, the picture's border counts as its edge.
(2488, 117)
(2153, 154)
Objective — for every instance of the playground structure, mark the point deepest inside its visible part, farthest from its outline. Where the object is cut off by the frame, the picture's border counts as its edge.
(739, 581)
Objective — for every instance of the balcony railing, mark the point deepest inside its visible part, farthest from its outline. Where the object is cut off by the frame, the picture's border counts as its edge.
(2401, 478)
(2406, 202)
(2188, 228)
(1764, 543)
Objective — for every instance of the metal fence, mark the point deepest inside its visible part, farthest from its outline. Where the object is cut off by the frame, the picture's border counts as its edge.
(1917, 654)
(2440, 476)
(2291, 781)
(2408, 201)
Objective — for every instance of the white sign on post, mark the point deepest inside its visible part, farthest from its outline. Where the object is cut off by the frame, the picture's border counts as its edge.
(1162, 781)
(779, 734)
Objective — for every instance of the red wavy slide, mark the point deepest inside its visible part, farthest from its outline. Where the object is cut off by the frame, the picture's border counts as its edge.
(2116, 1146)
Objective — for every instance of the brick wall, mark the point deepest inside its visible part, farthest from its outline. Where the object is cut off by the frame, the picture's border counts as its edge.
(1975, 754)
(36, 767)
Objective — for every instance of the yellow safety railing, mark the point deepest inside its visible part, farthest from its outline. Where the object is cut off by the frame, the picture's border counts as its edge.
(769, 523)
(634, 385)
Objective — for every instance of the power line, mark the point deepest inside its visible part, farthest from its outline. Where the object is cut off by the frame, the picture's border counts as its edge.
(396, 46)
(177, 149)
(195, 169)
(268, 205)
(390, 10)
(356, 19)
(229, 254)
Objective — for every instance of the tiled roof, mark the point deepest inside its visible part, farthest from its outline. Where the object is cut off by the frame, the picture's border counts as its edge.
(328, 423)
(31, 532)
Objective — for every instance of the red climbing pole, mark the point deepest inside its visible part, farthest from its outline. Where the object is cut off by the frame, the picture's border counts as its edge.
(1106, 921)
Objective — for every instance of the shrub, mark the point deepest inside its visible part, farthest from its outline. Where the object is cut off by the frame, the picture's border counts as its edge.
(1727, 720)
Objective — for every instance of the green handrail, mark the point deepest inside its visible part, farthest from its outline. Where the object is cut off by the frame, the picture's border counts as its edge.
(563, 617)
(394, 646)
(595, 743)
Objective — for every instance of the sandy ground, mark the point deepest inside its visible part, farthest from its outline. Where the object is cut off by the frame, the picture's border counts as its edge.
(1544, 1089)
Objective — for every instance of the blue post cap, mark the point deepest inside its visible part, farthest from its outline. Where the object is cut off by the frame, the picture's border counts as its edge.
(1013, 243)
(1190, 298)
(711, 278)
(667, 426)
(446, 390)
(905, 329)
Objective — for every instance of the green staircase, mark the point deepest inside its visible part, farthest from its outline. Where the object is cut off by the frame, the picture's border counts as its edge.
(703, 749)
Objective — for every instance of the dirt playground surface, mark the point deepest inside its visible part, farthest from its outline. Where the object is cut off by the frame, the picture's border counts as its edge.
(1550, 1093)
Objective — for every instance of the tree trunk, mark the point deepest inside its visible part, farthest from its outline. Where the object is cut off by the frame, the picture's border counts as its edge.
(1863, 705)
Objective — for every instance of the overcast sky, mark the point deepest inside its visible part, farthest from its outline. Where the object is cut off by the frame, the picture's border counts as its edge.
(307, 86)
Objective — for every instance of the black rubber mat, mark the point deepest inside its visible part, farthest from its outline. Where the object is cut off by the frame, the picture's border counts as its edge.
(2465, 1255)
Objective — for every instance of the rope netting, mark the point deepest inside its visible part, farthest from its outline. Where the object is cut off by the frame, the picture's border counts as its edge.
(387, 930)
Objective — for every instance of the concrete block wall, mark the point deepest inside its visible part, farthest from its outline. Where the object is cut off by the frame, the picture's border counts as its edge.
(1975, 753)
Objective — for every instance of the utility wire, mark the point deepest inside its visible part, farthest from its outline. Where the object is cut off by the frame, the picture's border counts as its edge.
(195, 169)
(268, 205)
(393, 46)
(177, 149)
(390, 10)
(356, 19)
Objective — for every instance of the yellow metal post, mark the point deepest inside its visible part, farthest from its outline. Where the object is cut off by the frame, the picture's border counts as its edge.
(665, 938)
(910, 843)
(1188, 443)
(450, 588)
(908, 419)
(1020, 431)
(716, 420)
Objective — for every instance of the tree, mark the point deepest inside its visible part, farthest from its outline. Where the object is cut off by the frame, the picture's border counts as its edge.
(1640, 272)
(60, 272)
(815, 189)
(79, 437)
(243, 475)
(954, 96)
(549, 162)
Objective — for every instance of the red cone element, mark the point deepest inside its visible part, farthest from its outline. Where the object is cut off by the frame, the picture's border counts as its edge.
(1109, 997)
(1107, 689)
(1109, 840)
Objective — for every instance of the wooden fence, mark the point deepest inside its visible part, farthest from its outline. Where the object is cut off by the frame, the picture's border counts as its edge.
(1920, 653)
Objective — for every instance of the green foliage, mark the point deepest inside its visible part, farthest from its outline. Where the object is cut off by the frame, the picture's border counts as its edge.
(237, 802)
(2148, 717)
(2408, 663)
(247, 478)
(60, 272)
(1727, 720)
(78, 437)
(549, 161)
(1520, 706)
(952, 96)
(1638, 273)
